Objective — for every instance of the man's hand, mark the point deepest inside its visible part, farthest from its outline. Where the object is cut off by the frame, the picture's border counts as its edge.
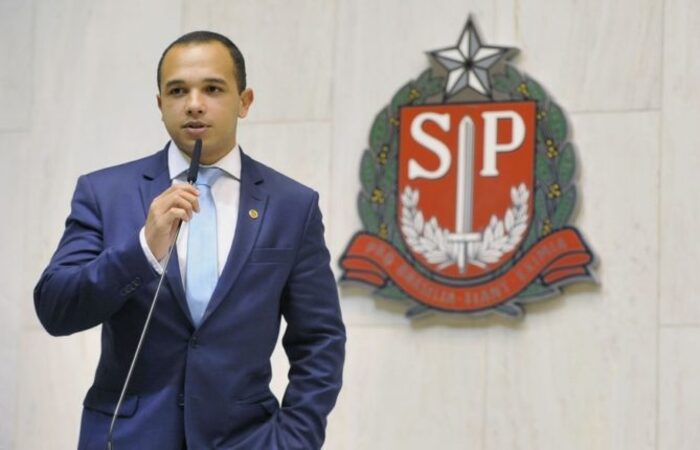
(178, 202)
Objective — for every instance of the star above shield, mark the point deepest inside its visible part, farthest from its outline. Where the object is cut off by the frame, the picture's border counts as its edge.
(468, 64)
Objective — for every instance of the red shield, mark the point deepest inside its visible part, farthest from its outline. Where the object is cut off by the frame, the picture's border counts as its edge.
(466, 184)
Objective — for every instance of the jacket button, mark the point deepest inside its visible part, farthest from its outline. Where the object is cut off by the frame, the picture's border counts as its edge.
(181, 400)
(193, 341)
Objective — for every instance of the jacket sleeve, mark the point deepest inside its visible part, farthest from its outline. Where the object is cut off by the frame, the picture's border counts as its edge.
(314, 341)
(86, 283)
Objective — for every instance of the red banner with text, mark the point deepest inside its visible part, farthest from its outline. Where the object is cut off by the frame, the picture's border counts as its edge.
(559, 256)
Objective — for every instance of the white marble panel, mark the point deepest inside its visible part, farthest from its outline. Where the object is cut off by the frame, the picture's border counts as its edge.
(12, 294)
(16, 23)
(594, 55)
(410, 389)
(679, 388)
(618, 157)
(45, 204)
(566, 383)
(288, 47)
(680, 162)
(55, 374)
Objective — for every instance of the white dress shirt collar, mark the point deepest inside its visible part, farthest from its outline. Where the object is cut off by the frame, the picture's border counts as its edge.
(179, 162)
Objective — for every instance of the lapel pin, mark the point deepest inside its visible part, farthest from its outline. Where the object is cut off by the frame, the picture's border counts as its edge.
(253, 213)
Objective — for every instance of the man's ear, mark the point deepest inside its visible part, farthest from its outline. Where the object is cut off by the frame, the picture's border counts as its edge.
(160, 105)
(247, 97)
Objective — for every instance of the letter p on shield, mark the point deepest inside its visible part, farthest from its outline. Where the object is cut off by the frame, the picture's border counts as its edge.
(491, 145)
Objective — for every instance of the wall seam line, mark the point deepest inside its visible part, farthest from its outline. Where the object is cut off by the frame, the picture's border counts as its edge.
(659, 226)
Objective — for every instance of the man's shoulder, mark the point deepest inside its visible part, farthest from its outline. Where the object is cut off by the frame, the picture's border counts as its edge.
(150, 164)
(276, 181)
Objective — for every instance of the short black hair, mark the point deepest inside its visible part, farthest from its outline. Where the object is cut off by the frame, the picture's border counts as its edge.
(209, 36)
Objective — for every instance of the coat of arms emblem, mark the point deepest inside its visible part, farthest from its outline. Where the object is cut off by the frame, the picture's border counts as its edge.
(467, 189)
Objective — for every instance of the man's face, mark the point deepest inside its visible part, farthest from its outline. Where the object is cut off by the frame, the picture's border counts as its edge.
(199, 98)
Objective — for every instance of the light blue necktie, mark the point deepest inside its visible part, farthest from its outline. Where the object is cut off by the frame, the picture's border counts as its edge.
(202, 259)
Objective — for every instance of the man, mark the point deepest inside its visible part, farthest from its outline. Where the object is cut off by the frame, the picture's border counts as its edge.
(202, 379)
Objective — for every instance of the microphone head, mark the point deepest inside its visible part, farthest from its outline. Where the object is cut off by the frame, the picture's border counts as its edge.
(194, 164)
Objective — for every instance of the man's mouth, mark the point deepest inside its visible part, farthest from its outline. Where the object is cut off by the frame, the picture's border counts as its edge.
(194, 125)
(195, 129)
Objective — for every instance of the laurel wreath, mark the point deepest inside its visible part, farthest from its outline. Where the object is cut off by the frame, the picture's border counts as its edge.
(555, 166)
(432, 242)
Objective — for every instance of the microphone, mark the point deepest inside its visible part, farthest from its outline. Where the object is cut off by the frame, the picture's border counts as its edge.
(191, 179)
(194, 164)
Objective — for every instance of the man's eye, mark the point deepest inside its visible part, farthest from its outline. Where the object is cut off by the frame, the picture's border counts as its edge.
(176, 91)
(213, 89)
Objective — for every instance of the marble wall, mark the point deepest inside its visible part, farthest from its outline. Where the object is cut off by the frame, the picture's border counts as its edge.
(607, 367)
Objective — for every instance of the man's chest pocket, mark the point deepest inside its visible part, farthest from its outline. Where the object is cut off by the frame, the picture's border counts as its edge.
(271, 256)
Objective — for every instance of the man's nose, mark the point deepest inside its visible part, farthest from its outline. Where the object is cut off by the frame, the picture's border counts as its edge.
(195, 103)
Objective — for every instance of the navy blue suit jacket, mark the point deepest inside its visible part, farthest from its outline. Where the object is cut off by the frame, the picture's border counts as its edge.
(208, 385)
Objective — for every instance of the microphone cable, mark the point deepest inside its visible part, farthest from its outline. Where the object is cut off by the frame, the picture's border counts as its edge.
(191, 179)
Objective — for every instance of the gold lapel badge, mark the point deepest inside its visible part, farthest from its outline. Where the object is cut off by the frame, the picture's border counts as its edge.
(253, 213)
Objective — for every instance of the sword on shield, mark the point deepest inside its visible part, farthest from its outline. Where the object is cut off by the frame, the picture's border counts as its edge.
(464, 237)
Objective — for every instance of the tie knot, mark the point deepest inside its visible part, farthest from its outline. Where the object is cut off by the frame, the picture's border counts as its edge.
(207, 176)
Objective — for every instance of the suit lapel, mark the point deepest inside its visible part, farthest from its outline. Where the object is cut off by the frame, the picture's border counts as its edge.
(252, 198)
(156, 179)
